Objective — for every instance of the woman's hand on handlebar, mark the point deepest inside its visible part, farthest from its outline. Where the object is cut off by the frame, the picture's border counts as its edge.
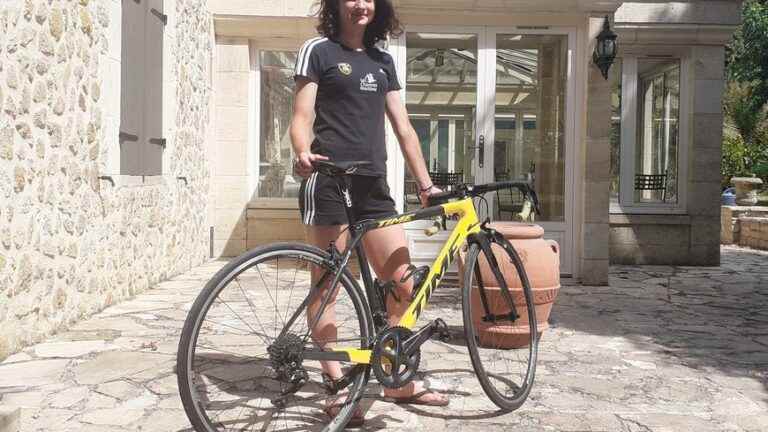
(424, 194)
(302, 164)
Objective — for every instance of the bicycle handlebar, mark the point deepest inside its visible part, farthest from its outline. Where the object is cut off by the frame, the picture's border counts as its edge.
(467, 190)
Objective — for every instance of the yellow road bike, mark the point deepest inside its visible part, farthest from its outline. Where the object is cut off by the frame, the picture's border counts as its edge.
(251, 354)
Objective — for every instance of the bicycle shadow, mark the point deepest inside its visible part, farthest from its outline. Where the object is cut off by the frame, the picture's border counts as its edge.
(244, 385)
(450, 412)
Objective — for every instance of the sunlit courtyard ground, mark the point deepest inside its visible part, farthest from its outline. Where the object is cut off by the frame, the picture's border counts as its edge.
(660, 349)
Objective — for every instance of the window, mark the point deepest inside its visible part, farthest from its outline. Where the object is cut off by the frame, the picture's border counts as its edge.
(141, 93)
(276, 179)
(646, 156)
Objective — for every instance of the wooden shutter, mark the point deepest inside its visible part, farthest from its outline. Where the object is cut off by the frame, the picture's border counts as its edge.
(152, 157)
(131, 87)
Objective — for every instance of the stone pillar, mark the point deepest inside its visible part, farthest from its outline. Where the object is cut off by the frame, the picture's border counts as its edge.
(705, 154)
(230, 153)
(550, 168)
(594, 253)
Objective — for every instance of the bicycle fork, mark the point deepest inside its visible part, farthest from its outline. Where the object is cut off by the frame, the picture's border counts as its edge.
(484, 240)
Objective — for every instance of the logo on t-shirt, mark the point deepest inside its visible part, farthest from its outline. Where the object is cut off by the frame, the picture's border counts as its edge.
(345, 68)
(368, 83)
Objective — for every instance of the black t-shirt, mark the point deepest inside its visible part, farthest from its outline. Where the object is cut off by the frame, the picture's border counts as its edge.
(350, 102)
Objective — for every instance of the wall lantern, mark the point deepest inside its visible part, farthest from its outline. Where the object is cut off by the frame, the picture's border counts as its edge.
(605, 50)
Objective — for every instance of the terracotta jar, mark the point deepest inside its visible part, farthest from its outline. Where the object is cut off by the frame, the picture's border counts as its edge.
(541, 259)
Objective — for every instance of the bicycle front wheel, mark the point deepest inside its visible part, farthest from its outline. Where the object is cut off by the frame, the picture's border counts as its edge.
(240, 364)
(503, 351)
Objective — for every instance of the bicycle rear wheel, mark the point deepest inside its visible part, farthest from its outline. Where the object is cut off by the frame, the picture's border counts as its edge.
(228, 375)
(503, 352)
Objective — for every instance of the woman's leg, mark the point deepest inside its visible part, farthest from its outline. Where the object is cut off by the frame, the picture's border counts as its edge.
(325, 331)
(387, 252)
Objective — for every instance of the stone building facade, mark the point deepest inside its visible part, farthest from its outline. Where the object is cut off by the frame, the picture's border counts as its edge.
(596, 156)
(76, 234)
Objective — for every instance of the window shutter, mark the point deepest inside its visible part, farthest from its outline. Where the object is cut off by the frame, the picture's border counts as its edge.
(154, 145)
(131, 90)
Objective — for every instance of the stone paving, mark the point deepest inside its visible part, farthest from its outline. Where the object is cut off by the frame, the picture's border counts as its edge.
(661, 349)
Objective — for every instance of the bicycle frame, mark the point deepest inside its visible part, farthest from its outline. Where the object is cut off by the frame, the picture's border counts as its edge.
(467, 225)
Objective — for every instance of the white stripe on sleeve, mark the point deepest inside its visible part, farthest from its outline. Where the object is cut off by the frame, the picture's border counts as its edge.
(300, 56)
(304, 66)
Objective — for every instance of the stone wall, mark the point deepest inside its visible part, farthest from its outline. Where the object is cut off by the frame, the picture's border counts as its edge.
(744, 226)
(70, 242)
(650, 239)
(754, 232)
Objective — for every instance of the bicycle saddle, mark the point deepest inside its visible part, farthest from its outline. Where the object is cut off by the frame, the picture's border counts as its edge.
(339, 168)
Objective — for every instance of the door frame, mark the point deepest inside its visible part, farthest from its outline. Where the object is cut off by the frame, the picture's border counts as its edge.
(485, 120)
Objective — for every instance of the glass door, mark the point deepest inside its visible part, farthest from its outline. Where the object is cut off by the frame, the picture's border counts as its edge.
(441, 74)
(530, 128)
(490, 104)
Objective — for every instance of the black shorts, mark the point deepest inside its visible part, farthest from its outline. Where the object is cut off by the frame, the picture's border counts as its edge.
(321, 201)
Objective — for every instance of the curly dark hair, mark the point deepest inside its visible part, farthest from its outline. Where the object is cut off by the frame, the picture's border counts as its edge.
(385, 22)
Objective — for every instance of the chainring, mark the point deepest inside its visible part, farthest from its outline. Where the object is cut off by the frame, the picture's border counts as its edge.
(390, 364)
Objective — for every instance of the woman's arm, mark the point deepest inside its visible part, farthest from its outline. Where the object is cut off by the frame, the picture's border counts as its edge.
(409, 145)
(301, 126)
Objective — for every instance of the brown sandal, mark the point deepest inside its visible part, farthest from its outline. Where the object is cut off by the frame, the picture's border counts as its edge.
(333, 406)
(418, 399)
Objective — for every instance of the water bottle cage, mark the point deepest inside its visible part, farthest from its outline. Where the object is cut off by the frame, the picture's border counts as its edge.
(418, 274)
(387, 288)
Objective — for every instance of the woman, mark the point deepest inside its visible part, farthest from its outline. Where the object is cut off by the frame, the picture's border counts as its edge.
(346, 84)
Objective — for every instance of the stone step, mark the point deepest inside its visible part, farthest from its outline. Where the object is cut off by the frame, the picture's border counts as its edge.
(10, 419)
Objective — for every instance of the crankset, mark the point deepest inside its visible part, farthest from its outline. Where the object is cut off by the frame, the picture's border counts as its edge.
(397, 352)
(392, 364)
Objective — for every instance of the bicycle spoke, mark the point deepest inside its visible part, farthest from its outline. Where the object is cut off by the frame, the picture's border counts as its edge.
(267, 289)
(250, 304)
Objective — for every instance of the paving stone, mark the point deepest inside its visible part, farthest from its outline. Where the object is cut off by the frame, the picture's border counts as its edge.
(119, 389)
(109, 366)
(18, 357)
(70, 349)
(48, 420)
(134, 306)
(27, 399)
(69, 397)
(145, 400)
(98, 401)
(119, 324)
(171, 402)
(164, 420)
(164, 386)
(32, 373)
(112, 417)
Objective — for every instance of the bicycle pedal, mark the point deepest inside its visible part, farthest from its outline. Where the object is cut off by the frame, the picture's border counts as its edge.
(442, 330)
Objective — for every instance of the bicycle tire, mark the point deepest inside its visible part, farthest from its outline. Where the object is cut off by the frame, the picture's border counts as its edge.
(189, 380)
(482, 352)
